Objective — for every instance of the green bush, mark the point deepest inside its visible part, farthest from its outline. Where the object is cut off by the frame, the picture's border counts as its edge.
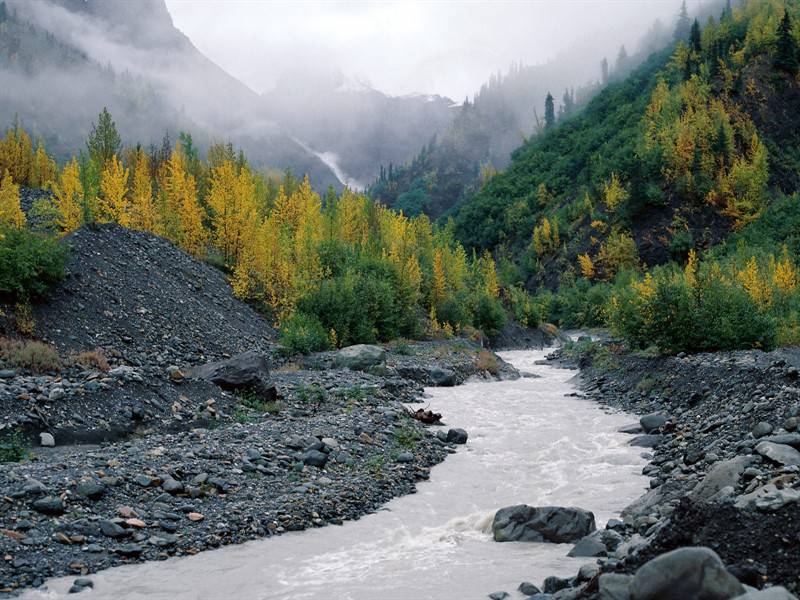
(30, 264)
(303, 334)
(488, 314)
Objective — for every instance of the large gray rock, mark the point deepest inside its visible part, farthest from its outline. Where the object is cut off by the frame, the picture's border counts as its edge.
(692, 573)
(652, 422)
(724, 474)
(768, 497)
(556, 524)
(780, 453)
(359, 357)
(649, 440)
(773, 593)
(440, 377)
(248, 371)
(614, 586)
(790, 439)
(761, 429)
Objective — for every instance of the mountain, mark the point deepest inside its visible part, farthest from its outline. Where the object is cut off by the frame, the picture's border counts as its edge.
(504, 113)
(696, 144)
(61, 61)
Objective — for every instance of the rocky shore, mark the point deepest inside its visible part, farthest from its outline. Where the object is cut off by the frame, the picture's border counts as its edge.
(722, 516)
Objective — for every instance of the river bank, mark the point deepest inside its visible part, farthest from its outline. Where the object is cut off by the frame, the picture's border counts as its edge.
(720, 432)
(334, 443)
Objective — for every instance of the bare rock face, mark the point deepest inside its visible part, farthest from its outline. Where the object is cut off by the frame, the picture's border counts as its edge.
(246, 371)
(555, 524)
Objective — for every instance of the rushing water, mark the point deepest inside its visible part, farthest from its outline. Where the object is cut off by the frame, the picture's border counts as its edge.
(528, 443)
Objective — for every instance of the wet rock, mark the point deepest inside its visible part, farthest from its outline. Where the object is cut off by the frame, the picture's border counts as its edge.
(692, 572)
(780, 453)
(652, 422)
(457, 436)
(246, 371)
(81, 584)
(528, 589)
(524, 523)
(588, 546)
(554, 584)
(499, 595)
(647, 441)
(359, 357)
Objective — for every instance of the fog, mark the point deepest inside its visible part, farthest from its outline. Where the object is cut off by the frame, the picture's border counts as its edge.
(447, 48)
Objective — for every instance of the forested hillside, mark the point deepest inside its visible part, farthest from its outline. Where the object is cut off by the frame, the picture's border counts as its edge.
(699, 146)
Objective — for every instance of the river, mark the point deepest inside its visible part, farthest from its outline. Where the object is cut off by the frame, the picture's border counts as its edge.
(529, 443)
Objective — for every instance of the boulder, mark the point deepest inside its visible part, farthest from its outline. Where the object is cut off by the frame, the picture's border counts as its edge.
(780, 453)
(761, 429)
(687, 573)
(526, 588)
(439, 377)
(768, 497)
(47, 440)
(248, 371)
(773, 593)
(359, 357)
(647, 441)
(790, 439)
(652, 422)
(457, 436)
(588, 546)
(555, 524)
(723, 474)
(614, 586)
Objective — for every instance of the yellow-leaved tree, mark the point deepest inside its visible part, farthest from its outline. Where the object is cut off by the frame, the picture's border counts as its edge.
(69, 193)
(183, 215)
(231, 199)
(142, 208)
(16, 154)
(114, 205)
(43, 169)
(10, 211)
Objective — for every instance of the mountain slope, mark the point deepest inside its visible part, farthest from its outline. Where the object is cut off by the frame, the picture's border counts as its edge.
(691, 146)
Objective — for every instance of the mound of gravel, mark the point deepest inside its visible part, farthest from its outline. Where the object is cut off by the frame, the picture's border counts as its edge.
(142, 299)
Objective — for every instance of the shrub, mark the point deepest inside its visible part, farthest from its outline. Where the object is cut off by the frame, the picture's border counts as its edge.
(524, 308)
(12, 446)
(94, 359)
(30, 264)
(303, 334)
(618, 253)
(488, 314)
(27, 354)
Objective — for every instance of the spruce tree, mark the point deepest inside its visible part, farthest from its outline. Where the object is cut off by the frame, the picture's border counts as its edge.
(683, 26)
(3, 12)
(103, 141)
(604, 71)
(694, 37)
(622, 60)
(549, 112)
(786, 55)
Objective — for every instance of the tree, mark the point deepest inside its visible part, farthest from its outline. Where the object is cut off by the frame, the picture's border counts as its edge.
(103, 141)
(569, 103)
(16, 154)
(69, 196)
(183, 214)
(549, 112)
(622, 60)
(10, 211)
(683, 25)
(43, 170)
(694, 37)
(727, 12)
(114, 189)
(786, 55)
(604, 71)
(3, 12)
(143, 210)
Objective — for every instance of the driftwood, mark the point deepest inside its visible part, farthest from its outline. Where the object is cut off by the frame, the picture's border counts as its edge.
(426, 416)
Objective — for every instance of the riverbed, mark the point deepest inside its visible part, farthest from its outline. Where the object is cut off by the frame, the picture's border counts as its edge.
(530, 442)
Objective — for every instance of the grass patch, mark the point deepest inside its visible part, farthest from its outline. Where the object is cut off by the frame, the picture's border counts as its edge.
(91, 359)
(37, 357)
(486, 361)
(407, 437)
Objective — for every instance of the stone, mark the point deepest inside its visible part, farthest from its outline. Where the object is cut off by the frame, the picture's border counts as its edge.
(359, 357)
(246, 371)
(439, 377)
(524, 523)
(690, 572)
(614, 586)
(80, 584)
(554, 584)
(130, 550)
(768, 497)
(528, 589)
(315, 458)
(171, 486)
(790, 439)
(588, 571)
(112, 530)
(405, 457)
(195, 517)
(143, 480)
(91, 489)
(47, 440)
(647, 441)
(652, 422)
(588, 546)
(631, 429)
(499, 595)
(773, 593)
(780, 453)
(723, 474)
(761, 429)
(7, 373)
(49, 505)
(57, 393)
(457, 436)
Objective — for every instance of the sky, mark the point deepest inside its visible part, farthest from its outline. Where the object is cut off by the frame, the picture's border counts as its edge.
(429, 47)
